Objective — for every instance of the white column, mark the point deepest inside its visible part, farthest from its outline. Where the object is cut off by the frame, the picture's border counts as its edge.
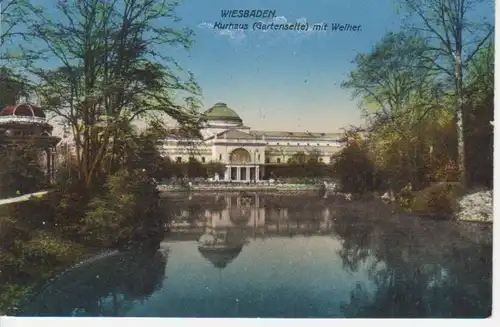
(262, 216)
(238, 173)
(257, 173)
(227, 173)
(248, 173)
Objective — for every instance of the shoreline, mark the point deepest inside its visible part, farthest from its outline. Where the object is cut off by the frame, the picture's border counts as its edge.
(240, 187)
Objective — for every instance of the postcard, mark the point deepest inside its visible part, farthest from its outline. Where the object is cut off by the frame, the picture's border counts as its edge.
(246, 159)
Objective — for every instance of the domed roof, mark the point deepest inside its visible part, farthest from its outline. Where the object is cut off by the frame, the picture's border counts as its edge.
(220, 257)
(220, 111)
(23, 110)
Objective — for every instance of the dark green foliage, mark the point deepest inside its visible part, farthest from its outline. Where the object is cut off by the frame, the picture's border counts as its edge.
(477, 127)
(307, 170)
(354, 169)
(213, 168)
(193, 169)
(31, 249)
(438, 200)
(127, 212)
(21, 171)
(12, 86)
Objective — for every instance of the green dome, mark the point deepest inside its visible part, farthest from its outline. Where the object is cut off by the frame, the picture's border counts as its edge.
(220, 111)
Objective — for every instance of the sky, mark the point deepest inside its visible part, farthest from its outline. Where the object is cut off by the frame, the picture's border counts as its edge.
(284, 80)
(281, 80)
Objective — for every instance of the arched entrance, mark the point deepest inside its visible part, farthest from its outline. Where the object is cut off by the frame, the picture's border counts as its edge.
(240, 157)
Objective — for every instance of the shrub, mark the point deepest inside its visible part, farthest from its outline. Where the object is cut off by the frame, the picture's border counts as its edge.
(438, 200)
(21, 172)
(128, 211)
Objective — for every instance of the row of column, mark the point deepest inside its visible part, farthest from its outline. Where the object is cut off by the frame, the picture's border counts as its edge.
(242, 173)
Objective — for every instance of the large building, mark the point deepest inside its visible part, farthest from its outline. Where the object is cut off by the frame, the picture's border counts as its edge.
(245, 152)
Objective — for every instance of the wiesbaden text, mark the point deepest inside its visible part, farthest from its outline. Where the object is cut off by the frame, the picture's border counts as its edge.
(247, 13)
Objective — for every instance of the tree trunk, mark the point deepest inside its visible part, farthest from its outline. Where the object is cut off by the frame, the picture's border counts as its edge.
(459, 114)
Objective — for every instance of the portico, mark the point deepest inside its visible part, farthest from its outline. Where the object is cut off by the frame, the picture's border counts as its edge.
(239, 173)
(241, 167)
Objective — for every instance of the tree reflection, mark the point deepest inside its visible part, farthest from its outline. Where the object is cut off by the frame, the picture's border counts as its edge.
(432, 275)
(103, 286)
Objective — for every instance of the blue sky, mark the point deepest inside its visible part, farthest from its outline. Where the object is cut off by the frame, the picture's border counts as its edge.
(284, 80)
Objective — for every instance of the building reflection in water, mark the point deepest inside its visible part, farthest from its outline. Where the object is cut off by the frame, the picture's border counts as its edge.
(226, 220)
(223, 223)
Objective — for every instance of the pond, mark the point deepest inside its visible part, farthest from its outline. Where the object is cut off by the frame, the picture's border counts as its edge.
(251, 255)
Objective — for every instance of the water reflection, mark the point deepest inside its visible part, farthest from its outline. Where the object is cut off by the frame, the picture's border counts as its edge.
(252, 215)
(220, 246)
(106, 285)
(249, 255)
(418, 271)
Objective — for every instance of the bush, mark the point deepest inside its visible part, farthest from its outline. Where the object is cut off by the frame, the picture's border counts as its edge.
(127, 212)
(438, 200)
(29, 255)
(21, 172)
(354, 170)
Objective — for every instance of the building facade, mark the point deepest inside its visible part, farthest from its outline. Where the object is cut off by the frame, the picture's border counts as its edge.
(246, 152)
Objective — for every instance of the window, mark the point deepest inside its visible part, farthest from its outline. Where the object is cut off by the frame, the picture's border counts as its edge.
(278, 160)
(203, 159)
(220, 156)
(258, 157)
(178, 159)
(307, 144)
(277, 143)
(288, 143)
(320, 159)
(328, 145)
(298, 143)
(318, 144)
(267, 160)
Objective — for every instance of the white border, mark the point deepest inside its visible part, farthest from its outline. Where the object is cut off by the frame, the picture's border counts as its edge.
(170, 322)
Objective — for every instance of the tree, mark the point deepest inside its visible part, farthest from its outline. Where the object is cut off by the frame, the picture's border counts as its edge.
(314, 156)
(353, 167)
(213, 168)
(113, 67)
(12, 16)
(393, 82)
(298, 158)
(479, 105)
(454, 39)
(403, 102)
(12, 86)
(194, 168)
